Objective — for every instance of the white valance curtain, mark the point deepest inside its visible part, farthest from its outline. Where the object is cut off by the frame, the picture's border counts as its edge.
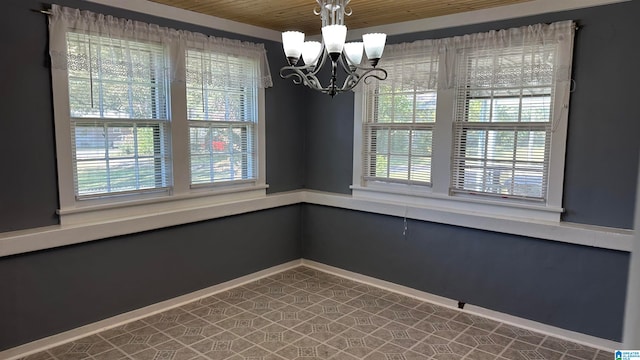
(412, 64)
(108, 28)
(406, 61)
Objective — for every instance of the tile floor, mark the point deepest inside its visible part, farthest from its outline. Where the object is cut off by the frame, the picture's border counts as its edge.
(307, 314)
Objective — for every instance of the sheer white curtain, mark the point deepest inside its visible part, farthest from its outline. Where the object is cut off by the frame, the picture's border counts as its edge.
(504, 95)
(412, 64)
(229, 51)
(511, 92)
(403, 60)
(541, 41)
(400, 115)
(87, 23)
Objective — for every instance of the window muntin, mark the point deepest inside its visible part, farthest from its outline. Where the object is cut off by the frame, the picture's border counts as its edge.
(503, 122)
(118, 116)
(399, 121)
(222, 116)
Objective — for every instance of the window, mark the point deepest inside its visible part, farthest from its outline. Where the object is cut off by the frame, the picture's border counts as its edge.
(118, 115)
(398, 126)
(222, 114)
(473, 123)
(146, 115)
(502, 128)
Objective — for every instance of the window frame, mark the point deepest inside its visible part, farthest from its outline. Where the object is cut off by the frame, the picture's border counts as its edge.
(181, 194)
(371, 92)
(99, 117)
(248, 123)
(439, 196)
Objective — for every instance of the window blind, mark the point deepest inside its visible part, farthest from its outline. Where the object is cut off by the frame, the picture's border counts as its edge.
(222, 115)
(118, 114)
(399, 118)
(503, 122)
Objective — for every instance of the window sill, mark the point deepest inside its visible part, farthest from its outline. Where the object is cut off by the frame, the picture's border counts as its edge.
(571, 233)
(422, 197)
(23, 241)
(90, 212)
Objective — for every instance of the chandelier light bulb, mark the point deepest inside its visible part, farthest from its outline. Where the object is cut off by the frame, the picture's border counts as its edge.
(353, 52)
(334, 37)
(292, 43)
(374, 46)
(311, 51)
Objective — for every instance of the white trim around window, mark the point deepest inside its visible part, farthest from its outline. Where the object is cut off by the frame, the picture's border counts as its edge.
(23, 241)
(175, 192)
(439, 194)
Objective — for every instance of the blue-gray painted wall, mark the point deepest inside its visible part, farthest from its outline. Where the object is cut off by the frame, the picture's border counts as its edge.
(309, 145)
(579, 288)
(51, 291)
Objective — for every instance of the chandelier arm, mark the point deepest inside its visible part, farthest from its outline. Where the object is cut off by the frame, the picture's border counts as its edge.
(343, 63)
(322, 59)
(313, 82)
(366, 76)
(350, 82)
(354, 79)
(310, 79)
(296, 75)
(300, 77)
(365, 68)
(352, 69)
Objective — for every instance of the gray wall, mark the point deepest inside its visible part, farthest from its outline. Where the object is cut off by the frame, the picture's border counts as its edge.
(329, 143)
(578, 288)
(47, 292)
(50, 291)
(29, 195)
(570, 286)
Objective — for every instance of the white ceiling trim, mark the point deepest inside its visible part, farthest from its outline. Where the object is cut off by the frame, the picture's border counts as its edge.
(191, 17)
(480, 16)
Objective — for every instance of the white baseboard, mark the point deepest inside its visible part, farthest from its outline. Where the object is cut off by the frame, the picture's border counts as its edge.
(588, 340)
(96, 327)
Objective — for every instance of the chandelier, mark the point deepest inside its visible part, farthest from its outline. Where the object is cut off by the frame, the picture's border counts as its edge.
(348, 56)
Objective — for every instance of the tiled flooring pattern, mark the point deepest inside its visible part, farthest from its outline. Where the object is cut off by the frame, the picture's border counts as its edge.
(307, 314)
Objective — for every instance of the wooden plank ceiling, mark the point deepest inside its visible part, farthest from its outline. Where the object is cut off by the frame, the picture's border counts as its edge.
(282, 15)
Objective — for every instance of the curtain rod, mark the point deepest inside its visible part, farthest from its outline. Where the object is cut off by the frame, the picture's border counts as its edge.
(42, 11)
